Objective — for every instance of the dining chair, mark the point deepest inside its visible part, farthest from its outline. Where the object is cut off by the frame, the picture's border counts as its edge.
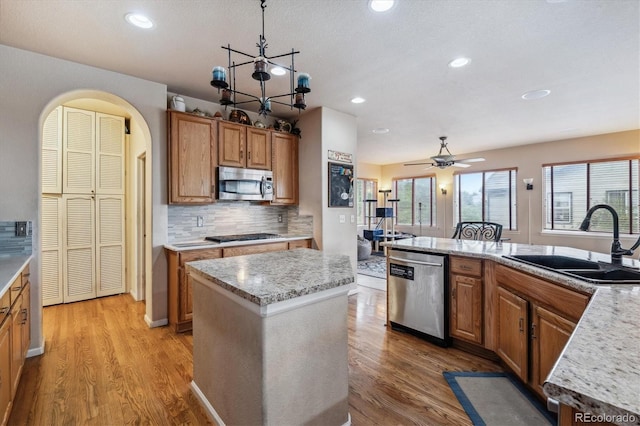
(484, 231)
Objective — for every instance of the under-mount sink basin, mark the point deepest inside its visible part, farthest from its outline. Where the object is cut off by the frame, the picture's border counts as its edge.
(608, 276)
(586, 270)
(555, 262)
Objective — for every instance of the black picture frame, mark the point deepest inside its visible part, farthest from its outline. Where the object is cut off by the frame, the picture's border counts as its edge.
(340, 185)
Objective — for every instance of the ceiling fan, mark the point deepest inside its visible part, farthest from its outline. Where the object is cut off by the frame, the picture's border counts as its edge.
(445, 159)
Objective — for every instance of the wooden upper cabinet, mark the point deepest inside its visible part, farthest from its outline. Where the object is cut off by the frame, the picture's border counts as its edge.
(258, 149)
(192, 159)
(232, 144)
(243, 146)
(284, 154)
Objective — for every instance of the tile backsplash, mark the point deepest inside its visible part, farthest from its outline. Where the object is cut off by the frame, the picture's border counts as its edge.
(234, 217)
(10, 244)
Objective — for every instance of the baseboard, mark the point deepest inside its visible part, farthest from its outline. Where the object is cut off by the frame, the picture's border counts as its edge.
(208, 408)
(37, 351)
(157, 323)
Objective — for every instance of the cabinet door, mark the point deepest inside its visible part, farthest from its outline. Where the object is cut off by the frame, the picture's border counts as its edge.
(51, 256)
(192, 159)
(5, 370)
(52, 153)
(79, 151)
(466, 308)
(258, 149)
(109, 154)
(299, 244)
(109, 245)
(79, 247)
(25, 313)
(232, 144)
(16, 345)
(284, 153)
(185, 311)
(512, 332)
(549, 335)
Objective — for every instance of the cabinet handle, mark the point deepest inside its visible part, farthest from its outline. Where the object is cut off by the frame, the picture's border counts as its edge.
(533, 331)
(521, 325)
(16, 288)
(249, 155)
(24, 315)
(453, 293)
(4, 310)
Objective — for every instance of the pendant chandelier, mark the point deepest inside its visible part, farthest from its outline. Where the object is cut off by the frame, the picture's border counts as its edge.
(260, 64)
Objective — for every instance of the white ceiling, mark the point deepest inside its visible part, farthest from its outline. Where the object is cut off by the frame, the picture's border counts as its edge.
(586, 52)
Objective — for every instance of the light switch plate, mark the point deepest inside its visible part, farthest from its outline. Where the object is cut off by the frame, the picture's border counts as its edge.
(343, 219)
(21, 229)
(353, 218)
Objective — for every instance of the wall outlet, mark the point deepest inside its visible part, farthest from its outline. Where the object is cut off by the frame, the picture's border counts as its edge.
(200, 221)
(280, 218)
(343, 219)
(21, 229)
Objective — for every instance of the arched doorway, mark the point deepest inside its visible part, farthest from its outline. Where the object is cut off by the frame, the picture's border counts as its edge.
(138, 183)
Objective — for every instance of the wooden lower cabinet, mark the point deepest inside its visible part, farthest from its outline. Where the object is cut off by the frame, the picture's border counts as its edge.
(180, 298)
(535, 320)
(466, 304)
(5, 370)
(512, 334)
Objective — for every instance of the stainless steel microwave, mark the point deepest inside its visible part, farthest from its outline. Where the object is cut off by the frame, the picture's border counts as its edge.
(245, 184)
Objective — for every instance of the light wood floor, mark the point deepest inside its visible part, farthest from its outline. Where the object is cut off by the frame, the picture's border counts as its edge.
(104, 366)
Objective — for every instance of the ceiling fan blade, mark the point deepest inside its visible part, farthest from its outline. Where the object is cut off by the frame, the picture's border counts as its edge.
(430, 167)
(418, 164)
(472, 160)
(461, 165)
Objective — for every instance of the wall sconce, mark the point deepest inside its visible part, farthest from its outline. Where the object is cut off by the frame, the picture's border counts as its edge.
(529, 183)
(443, 189)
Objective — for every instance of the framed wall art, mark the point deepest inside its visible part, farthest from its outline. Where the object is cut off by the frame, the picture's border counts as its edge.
(340, 185)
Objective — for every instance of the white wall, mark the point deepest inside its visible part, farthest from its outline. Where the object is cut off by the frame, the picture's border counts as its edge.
(29, 82)
(528, 159)
(324, 129)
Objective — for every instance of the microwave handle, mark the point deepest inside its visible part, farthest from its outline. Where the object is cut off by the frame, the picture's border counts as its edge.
(262, 184)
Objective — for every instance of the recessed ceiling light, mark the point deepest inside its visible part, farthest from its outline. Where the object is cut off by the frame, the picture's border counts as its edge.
(357, 100)
(278, 71)
(459, 62)
(380, 131)
(536, 94)
(139, 20)
(381, 5)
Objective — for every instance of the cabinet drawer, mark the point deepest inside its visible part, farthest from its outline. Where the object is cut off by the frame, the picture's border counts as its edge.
(299, 244)
(466, 266)
(5, 304)
(14, 291)
(193, 255)
(254, 249)
(25, 275)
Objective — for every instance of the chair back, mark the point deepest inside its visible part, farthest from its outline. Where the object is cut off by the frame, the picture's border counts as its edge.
(485, 231)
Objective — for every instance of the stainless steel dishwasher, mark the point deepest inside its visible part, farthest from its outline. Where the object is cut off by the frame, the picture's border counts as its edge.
(418, 287)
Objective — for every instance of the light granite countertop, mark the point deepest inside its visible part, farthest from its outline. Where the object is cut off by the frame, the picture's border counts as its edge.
(10, 268)
(268, 278)
(202, 243)
(599, 370)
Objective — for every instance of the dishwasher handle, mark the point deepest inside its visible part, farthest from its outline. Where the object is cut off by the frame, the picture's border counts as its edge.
(418, 262)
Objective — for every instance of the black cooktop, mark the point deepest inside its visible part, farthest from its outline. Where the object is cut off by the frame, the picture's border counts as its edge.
(241, 237)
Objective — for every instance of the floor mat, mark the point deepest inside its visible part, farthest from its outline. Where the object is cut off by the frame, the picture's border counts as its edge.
(497, 399)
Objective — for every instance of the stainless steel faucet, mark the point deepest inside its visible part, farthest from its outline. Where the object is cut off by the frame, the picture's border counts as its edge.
(616, 250)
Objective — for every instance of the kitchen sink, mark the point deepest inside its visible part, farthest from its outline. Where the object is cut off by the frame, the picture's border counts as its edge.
(586, 270)
(556, 262)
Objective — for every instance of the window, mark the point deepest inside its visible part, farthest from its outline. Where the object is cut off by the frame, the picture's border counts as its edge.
(366, 189)
(486, 196)
(571, 189)
(417, 197)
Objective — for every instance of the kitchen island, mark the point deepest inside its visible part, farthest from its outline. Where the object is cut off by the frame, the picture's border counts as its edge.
(598, 371)
(270, 337)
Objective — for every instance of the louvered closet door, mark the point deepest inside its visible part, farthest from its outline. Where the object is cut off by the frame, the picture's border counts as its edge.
(52, 153)
(79, 247)
(109, 154)
(51, 256)
(110, 244)
(78, 151)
